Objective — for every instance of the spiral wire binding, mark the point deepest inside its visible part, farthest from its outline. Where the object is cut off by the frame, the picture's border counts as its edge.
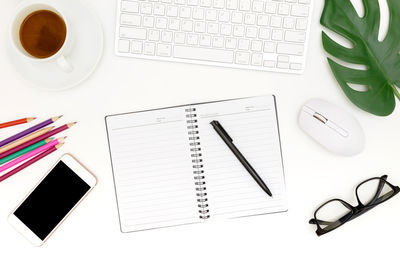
(195, 144)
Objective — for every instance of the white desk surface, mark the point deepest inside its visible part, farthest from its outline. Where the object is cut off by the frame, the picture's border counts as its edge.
(91, 235)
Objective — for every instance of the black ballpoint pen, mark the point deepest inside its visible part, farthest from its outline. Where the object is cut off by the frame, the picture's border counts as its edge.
(229, 142)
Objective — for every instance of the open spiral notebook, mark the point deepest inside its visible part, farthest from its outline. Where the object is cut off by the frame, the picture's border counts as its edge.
(170, 167)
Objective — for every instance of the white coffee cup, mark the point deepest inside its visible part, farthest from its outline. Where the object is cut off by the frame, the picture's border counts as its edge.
(60, 56)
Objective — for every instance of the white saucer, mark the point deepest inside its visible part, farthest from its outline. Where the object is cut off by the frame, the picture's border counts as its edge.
(85, 54)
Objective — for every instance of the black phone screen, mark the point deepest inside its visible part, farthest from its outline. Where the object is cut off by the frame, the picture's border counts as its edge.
(51, 200)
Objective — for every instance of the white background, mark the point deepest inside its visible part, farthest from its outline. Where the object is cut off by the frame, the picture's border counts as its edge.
(91, 235)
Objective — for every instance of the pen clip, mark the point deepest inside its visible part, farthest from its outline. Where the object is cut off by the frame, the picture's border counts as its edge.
(218, 127)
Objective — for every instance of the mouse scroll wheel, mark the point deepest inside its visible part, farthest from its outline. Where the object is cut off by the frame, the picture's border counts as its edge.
(320, 117)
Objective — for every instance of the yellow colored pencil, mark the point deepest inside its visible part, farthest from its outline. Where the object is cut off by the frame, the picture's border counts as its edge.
(25, 139)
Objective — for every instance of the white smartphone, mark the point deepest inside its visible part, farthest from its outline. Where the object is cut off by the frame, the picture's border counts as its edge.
(52, 200)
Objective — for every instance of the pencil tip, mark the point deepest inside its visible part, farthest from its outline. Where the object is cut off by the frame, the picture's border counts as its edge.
(59, 145)
(58, 117)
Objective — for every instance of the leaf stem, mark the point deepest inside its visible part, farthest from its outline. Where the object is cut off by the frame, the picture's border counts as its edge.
(396, 92)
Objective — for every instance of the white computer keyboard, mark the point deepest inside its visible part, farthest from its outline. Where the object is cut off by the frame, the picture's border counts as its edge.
(268, 35)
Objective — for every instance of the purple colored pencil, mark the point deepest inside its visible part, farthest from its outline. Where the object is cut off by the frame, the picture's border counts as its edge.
(28, 131)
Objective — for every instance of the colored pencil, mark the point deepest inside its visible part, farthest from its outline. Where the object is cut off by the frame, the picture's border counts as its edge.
(25, 139)
(30, 162)
(28, 131)
(37, 139)
(30, 154)
(17, 122)
(26, 150)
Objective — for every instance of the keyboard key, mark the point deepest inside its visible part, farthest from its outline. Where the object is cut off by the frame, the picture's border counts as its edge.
(264, 33)
(164, 50)
(205, 3)
(282, 65)
(250, 19)
(258, 6)
(185, 12)
(192, 39)
(161, 23)
(154, 35)
(290, 49)
(205, 40)
(187, 25)
(277, 35)
(238, 30)
(304, 1)
(211, 14)
(269, 47)
(174, 24)
(283, 59)
(256, 46)
(301, 24)
(180, 37)
(136, 47)
(219, 4)
(288, 23)
(262, 20)
(242, 58)
(298, 37)
(295, 66)
(212, 28)
(276, 22)
(159, 9)
(198, 53)
(132, 33)
(223, 16)
(218, 41)
(237, 17)
(166, 36)
(300, 10)
(193, 2)
(180, 2)
(146, 8)
(198, 13)
(123, 46)
(148, 22)
(257, 59)
(244, 44)
(283, 9)
(133, 20)
(200, 26)
(232, 4)
(149, 49)
(226, 29)
(172, 11)
(270, 8)
(128, 6)
(269, 64)
(230, 43)
(244, 5)
(251, 32)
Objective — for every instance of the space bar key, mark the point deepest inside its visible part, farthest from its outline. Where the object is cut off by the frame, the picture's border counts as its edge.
(197, 53)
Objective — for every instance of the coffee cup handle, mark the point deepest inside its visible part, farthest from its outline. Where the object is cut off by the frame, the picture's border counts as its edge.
(64, 64)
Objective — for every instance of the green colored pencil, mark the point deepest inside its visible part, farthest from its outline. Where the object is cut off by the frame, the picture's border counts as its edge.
(25, 150)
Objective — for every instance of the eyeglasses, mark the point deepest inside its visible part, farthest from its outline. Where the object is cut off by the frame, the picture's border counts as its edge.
(337, 212)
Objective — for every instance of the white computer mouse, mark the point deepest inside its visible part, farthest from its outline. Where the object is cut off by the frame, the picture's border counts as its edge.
(332, 127)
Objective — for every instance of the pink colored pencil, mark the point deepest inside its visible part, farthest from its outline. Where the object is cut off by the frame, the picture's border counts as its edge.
(29, 162)
(37, 139)
(31, 154)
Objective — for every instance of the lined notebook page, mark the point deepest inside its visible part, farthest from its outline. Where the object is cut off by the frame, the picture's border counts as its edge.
(152, 169)
(252, 124)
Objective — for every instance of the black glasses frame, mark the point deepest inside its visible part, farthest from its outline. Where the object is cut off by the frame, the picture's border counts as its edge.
(358, 210)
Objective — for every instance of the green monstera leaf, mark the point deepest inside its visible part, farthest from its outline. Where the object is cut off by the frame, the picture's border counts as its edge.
(382, 58)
